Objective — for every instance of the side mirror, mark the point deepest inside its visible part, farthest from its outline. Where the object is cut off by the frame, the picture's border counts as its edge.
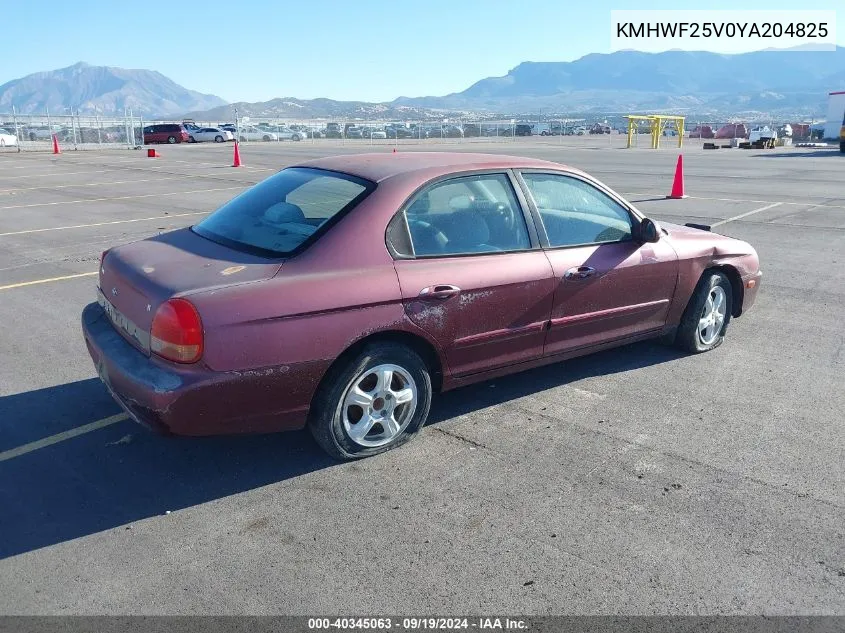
(649, 231)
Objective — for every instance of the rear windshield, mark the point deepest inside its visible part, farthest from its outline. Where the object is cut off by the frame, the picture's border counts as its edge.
(280, 215)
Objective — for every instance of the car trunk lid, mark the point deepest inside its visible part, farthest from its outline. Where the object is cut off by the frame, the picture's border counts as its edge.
(135, 279)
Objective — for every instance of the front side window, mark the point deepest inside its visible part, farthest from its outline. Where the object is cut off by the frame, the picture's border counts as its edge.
(468, 215)
(280, 214)
(575, 212)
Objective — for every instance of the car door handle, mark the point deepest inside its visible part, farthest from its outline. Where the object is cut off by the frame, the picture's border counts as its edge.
(440, 291)
(579, 272)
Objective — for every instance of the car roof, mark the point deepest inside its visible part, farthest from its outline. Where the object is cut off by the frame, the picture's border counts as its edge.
(377, 167)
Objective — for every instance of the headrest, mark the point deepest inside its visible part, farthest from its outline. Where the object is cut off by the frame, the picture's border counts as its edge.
(487, 206)
(467, 229)
(284, 212)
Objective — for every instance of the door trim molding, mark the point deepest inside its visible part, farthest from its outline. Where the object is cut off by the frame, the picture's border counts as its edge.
(598, 315)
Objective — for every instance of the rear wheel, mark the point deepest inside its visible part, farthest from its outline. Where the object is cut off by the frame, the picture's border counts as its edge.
(707, 315)
(218, 139)
(375, 402)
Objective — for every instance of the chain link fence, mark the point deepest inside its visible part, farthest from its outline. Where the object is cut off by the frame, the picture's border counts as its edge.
(34, 132)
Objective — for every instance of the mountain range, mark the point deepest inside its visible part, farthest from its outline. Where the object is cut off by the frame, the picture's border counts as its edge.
(101, 90)
(773, 83)
(683, 81)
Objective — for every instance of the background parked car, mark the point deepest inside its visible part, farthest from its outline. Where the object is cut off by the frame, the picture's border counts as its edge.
(288, 134)
(333, 131)
(166, 133)
(7, 139)
(397, 131)
(471, 129)
(307, 132)
(701, 131)
(250, 133)
(378, 133)
(209, 134)
(732, 130)
(354, 132)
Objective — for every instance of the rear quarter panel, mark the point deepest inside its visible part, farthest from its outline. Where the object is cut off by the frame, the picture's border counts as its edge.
(340, 290)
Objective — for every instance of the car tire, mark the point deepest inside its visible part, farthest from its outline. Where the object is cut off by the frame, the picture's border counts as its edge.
(242, 139)
(191, 139)
(711, 302)
(842, 147)
(266, 138)
(171, 139)
(218, 139)
(334, 417)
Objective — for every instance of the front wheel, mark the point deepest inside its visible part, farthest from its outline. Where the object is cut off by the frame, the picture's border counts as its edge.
(266, 138)
(171, 139)
(375, 402)
(218, 139)
(707, 314)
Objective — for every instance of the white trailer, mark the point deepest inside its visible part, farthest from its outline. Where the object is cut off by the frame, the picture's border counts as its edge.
(835, 114)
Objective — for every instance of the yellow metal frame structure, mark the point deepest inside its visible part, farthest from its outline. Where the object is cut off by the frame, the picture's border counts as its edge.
(658, 123)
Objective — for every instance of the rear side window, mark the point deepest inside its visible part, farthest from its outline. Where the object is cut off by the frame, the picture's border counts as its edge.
(281, 214)
(462, 216)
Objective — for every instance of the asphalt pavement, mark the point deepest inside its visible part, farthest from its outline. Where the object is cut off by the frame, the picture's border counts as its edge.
(635, 481)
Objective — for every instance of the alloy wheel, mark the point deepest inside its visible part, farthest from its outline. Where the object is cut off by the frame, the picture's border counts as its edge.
(378, 405)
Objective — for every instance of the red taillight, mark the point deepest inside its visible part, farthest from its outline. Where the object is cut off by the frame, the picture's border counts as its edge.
(176, 333)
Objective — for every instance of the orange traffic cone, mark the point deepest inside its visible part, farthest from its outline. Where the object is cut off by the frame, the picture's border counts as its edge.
(237, 161)
(152, 153)
(56, 149)
(678, 182)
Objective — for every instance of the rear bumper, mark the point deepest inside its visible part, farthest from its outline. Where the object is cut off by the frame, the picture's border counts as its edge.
(193, 400)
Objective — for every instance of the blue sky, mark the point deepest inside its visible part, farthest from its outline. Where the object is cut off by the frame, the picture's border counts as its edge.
(367, 49)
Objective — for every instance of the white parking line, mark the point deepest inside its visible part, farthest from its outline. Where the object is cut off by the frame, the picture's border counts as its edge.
(658, 197)
(146, 195)
(93, 184)
(746, 214)
(21, 284)
(53, 174)
(60, 437)
(85, 226)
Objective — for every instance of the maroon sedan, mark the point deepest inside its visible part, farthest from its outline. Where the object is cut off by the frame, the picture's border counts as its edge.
(342, 293)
